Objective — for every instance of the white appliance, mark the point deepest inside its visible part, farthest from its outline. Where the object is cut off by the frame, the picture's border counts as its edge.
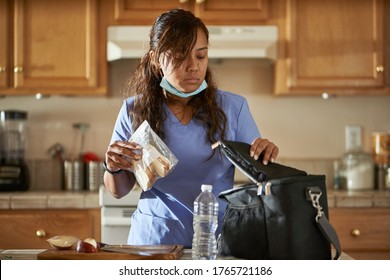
(225, 41)
(116, 214)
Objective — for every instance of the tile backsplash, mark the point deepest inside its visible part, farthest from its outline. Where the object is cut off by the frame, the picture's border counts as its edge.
(46, 175)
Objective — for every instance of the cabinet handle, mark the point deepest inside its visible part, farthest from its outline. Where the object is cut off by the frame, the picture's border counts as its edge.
(355, 233)
(3, 69)
(200, 1)
(18, 69)
(380, 69)
(41, 233)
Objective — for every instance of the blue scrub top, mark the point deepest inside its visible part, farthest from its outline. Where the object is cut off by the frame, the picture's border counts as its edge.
(165, 212)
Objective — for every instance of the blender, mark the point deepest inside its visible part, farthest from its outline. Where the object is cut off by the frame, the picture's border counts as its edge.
(14, 175)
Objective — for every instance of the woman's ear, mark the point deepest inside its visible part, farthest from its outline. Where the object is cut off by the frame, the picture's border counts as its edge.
(155, 64)
(151, 55)
(154, 61)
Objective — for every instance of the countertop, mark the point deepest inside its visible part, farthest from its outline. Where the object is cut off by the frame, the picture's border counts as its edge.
(31, 254)
(48, 200)
(86, 199)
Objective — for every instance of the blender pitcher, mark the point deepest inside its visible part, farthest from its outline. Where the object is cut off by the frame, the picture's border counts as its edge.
(13, 169)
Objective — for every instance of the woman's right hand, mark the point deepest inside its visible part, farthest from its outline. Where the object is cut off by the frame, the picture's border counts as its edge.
(121, 154)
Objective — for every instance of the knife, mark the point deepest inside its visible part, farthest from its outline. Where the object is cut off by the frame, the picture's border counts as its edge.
(127, 250)
(142, 250)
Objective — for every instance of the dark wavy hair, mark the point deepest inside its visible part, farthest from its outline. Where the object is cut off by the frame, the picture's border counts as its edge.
(174, 34)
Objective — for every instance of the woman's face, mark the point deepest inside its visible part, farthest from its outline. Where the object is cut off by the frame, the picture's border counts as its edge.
(188, 76)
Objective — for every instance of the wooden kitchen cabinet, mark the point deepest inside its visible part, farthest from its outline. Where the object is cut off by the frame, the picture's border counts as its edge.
(29, 229)
(232, 11)
(211, 11)
(4, 58)
(144, 12)
(332, 46)
(49, 47)
(364, 233)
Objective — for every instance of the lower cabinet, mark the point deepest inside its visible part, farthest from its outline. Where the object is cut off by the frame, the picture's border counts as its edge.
(29, 229)
(364, 233)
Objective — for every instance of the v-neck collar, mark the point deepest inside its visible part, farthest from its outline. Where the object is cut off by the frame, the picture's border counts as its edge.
(173, 119)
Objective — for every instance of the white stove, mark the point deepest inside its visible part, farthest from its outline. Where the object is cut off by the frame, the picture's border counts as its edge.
(116, 215)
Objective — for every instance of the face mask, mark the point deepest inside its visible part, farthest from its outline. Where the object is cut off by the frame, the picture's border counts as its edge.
(171, 89)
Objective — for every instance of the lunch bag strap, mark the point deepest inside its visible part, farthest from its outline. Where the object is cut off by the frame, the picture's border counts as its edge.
(314, 193)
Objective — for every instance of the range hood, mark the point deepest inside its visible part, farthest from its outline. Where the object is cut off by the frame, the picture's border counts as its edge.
(225, 42)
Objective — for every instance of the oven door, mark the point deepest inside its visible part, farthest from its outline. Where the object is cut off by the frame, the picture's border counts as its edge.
(115, 224)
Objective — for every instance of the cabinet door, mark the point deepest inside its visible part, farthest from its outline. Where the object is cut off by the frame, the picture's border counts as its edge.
(29, 229)
(55, 44)
(145, 11)
(4, 43)
(232, 11)
(334, 44)
(363, 232)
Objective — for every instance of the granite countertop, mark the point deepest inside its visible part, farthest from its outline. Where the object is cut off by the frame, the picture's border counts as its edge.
(87, 199)
(359, 198)
(48, 200)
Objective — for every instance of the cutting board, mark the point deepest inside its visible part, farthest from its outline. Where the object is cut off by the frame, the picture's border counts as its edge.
(152, 252)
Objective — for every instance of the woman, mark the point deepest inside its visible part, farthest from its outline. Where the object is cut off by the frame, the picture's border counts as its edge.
(174, 91)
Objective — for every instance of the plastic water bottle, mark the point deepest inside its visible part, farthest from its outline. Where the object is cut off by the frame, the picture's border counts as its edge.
(204, 243)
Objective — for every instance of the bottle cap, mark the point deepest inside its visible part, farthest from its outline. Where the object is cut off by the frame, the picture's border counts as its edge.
(207, 188)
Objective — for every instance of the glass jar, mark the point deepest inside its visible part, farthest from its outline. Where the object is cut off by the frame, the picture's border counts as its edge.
(357, 165)
(358, 170)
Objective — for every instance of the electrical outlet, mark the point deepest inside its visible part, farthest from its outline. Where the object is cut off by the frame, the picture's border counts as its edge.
(353, 137)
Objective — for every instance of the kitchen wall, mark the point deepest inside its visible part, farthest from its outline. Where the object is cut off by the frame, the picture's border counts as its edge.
(308, 130)
(303, 127)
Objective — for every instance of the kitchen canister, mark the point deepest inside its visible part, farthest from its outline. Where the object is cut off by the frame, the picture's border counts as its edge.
(356, 164)
(381, 147)
(74, 178)
(381, 157)
(94, 175)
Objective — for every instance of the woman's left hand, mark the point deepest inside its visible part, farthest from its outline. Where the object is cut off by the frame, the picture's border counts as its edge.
(263, 146)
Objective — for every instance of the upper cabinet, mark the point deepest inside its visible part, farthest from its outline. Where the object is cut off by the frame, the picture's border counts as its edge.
(144, 12)
(232, 11)
(332, 46)
(4, 38)
(327, 46)
(49, 47)
(211, 11)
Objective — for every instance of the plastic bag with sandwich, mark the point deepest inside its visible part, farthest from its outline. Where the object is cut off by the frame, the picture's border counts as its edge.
(157, 160)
